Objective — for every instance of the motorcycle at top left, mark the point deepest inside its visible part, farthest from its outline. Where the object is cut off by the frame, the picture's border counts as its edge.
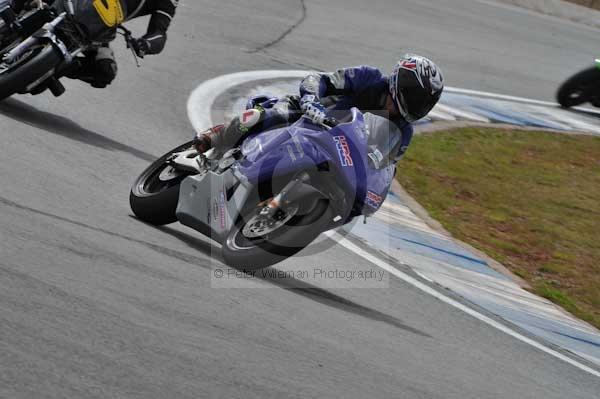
(41, 44)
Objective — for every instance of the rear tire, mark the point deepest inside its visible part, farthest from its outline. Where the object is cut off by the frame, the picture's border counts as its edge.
(154, 200)
(40, 62)
(581, 88)
(288, 242)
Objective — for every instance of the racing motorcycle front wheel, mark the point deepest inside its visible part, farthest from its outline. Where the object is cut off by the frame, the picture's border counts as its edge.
(155, 193)
(31, 68)
(581, 88)
(257, 241)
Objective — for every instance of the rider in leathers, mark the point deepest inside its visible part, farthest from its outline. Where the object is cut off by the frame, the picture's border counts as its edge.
(99, 67)
(389, 104)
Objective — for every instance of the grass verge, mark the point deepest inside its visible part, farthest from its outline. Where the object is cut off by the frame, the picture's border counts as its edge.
(531, 200)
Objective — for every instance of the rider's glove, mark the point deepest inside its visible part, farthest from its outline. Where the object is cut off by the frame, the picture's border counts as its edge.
(140, 46)
(312, 108)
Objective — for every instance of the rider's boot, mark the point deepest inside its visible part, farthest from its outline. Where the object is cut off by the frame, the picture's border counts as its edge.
(97, 67)
(105, 67)
(225, 137)
(207, 139)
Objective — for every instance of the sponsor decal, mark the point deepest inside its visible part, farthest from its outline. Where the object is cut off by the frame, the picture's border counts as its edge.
(250, 118)
(298, 147)
(296, 151)
(374, 200)
(343, 150)
(222, 213)
(291, 152)
(215, 211)
(208, 211)
(376, 158)
(110, 11)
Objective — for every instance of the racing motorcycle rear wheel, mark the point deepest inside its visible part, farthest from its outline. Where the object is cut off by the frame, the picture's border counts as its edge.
(254, 244)
(32, 66)
(581, 88)
(155, 193)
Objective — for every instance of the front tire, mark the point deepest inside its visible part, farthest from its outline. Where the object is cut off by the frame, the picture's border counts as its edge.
(245, 254)
(581, 88)
(33, 66)
(155, 193)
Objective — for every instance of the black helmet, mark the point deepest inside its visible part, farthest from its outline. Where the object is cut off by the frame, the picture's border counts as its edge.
(416, 85)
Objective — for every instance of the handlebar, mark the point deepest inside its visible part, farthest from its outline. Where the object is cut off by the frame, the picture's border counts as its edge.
(329, 122)
(126, 34)
(129, 39)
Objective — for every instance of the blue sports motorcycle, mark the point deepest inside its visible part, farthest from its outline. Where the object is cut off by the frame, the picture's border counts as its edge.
(273, 195)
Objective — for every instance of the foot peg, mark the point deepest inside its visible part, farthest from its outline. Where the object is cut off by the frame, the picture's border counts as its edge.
(56, 87)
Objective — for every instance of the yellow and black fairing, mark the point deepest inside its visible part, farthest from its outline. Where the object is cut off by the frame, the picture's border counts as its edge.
(97, 18)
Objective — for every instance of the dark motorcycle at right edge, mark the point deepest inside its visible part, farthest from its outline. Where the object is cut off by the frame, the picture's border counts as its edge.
(581, 88)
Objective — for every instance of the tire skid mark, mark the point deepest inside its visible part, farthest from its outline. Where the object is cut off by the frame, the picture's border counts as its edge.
(284, 34)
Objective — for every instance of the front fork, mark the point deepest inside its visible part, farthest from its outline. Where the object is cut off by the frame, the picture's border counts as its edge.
(46, 33)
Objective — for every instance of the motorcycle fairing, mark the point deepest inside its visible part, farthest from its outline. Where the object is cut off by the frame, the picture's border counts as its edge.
(211, 203)
(305, 146)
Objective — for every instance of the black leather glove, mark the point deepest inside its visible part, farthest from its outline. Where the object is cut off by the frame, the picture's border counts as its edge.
(105, 68)
(105, 73)
(141, 46)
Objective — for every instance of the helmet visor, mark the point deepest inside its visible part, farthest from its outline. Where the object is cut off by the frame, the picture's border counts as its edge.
(417, 104)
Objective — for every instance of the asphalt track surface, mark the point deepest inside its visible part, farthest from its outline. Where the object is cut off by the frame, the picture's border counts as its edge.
(94, 303)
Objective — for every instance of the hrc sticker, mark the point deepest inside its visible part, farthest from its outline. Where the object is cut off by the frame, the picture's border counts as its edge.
(110, 11)
(374, 200)
(343, 150)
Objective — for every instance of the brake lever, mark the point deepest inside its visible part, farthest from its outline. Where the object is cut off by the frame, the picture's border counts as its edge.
(128, 36)
(135, 56)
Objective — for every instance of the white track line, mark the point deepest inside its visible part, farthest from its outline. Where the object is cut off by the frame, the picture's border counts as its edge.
(495, 96)
(461, 114)
(513, 99)
(438, 295)
(199, 107)
(437, 114)
(203, 97)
